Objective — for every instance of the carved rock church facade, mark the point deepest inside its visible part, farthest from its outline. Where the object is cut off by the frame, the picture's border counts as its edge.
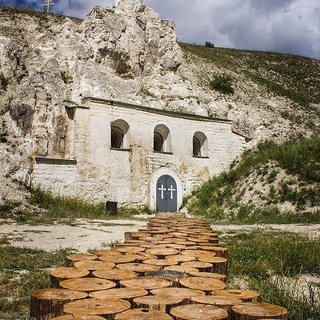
(137, 156)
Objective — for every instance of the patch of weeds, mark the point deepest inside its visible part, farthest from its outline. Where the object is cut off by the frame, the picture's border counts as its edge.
(222, 83)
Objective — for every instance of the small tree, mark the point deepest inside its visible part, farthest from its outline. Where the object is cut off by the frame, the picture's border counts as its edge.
(222, 83)
(209, 44)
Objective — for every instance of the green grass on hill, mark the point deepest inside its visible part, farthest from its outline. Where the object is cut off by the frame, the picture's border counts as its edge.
(299, 159)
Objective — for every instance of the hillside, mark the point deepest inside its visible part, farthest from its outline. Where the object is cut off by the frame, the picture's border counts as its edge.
(47, 59)
(270, 183)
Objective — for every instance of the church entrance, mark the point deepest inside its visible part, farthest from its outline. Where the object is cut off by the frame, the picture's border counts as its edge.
(166, 194)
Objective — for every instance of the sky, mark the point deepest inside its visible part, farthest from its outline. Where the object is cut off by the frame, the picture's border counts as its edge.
(286, 26)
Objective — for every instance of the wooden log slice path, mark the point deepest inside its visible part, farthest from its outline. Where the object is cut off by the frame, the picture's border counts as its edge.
(199, 312)
(49, 303)
(64, 273)
(143, 314)
(106, 308)
(258, 310)
(243, 295)
(174, 268)
(87, 284)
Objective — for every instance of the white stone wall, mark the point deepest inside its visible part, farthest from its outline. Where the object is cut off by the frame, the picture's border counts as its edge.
(129, 176)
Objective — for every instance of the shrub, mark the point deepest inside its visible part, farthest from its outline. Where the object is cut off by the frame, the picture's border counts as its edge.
(222, 83)
(3, 82)
(209, 44)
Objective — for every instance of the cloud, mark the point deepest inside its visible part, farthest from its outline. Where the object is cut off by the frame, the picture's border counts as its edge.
(288, 26)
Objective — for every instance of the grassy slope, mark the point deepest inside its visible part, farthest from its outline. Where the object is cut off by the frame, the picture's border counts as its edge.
(287, 174)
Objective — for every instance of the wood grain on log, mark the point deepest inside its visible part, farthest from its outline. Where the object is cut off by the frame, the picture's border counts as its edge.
(64, 273)
(87, 284)
(94, 265)
(201, 266)
(243, 295)
(48, 303)
(201, 283)
(139, 268)
(173, 292)
(258, 310)
(72, 258)
(145, 283)
(199, 312)
(122, 258)
(84, 317)
(213, 275)
(143, 314)
(106, 308)
(223, 302)
(159, 302)
(181, 269)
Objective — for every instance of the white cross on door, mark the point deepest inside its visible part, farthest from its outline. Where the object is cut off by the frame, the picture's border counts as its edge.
(162, 189)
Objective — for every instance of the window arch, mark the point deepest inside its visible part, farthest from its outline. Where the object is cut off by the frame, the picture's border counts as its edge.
(120, 134)
(161, 139)
(199, 145)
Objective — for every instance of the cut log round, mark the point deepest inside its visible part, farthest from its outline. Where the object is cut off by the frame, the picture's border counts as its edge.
(199, 312)
(64, 273)
(201, 283)
(139, 268)
(173, 276)
(160, 262)
(142, 256)
(181, 258)
(120, 293)
(161, 303)
(147, 283)
(122, 258)
(219, 264)
(115, 274)
(258, 310)
(106, 308)
(218, 276)
(87, 284)
(223, 302)
(183, 269)
(162, 252)
(94, 265)
(184, 293)
(243, 295)
(72, 258)
(198, 253)
(84, 317)
(201, 266)
(128, 249)
(48, 303)
(105, 252)
(143, 314)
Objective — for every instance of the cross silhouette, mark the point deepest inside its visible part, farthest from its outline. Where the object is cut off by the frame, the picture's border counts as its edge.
(47, 4)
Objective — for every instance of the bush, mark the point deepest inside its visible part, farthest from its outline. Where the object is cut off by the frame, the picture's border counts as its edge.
(209, 44)
(222, 83)
(3, 82)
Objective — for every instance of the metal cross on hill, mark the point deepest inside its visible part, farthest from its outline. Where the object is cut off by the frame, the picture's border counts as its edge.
(47, 4)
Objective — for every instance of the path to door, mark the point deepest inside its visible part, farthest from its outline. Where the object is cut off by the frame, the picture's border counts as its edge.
(174, 268)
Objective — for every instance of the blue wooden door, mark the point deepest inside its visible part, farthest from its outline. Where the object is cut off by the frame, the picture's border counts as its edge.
(166, 194)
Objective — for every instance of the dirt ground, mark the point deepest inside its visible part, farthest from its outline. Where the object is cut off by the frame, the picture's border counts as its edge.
(84, 235)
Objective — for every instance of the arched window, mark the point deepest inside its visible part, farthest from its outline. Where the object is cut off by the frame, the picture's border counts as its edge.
(120, 134)
(200, 145)
(161, 139)
(158, 142)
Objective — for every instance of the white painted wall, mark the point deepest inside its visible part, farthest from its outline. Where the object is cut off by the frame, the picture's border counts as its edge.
(129, 176)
